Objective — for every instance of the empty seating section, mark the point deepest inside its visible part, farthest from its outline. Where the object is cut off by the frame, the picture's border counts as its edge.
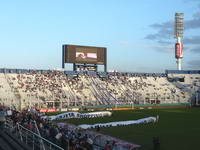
(57, 89)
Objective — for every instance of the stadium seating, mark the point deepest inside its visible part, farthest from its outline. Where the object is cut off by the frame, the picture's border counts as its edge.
(58, 89)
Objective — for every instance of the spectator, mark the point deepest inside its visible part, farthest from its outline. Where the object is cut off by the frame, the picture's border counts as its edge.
(156, 143)
(107, 146)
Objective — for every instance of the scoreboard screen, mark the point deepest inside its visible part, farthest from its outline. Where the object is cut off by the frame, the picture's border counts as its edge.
(84, 54)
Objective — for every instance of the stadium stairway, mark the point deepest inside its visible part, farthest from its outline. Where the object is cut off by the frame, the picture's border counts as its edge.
(10, 142)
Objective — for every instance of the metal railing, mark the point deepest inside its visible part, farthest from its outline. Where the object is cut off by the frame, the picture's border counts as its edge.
(31, 139)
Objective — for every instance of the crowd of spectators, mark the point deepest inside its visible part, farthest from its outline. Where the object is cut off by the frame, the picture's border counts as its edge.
(128, 89)
(67, 136)
(51, 88)
(64, 137)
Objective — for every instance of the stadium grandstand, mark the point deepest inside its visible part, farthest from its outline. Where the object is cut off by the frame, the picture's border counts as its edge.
(51, 89)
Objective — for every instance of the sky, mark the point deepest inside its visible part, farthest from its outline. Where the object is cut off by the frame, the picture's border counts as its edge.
(138, 34)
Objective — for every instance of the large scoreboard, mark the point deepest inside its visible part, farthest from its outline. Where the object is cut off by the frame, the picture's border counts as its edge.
(77, 54)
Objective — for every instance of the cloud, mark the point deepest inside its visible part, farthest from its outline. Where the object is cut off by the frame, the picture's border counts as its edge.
(163, 42)
(194, 64)
(193, 23)
(196, 50)
(165, 25)
(164, 31)
(196, 15)
(192, 40)
(152, 36)
(162, 48)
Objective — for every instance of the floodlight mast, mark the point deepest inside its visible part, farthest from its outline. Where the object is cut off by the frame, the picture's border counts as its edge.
(179, 27)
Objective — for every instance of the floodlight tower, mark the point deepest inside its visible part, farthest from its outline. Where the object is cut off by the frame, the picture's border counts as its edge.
(179, 27)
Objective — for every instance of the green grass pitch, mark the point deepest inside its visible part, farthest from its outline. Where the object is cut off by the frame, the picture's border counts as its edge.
(178, 128)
